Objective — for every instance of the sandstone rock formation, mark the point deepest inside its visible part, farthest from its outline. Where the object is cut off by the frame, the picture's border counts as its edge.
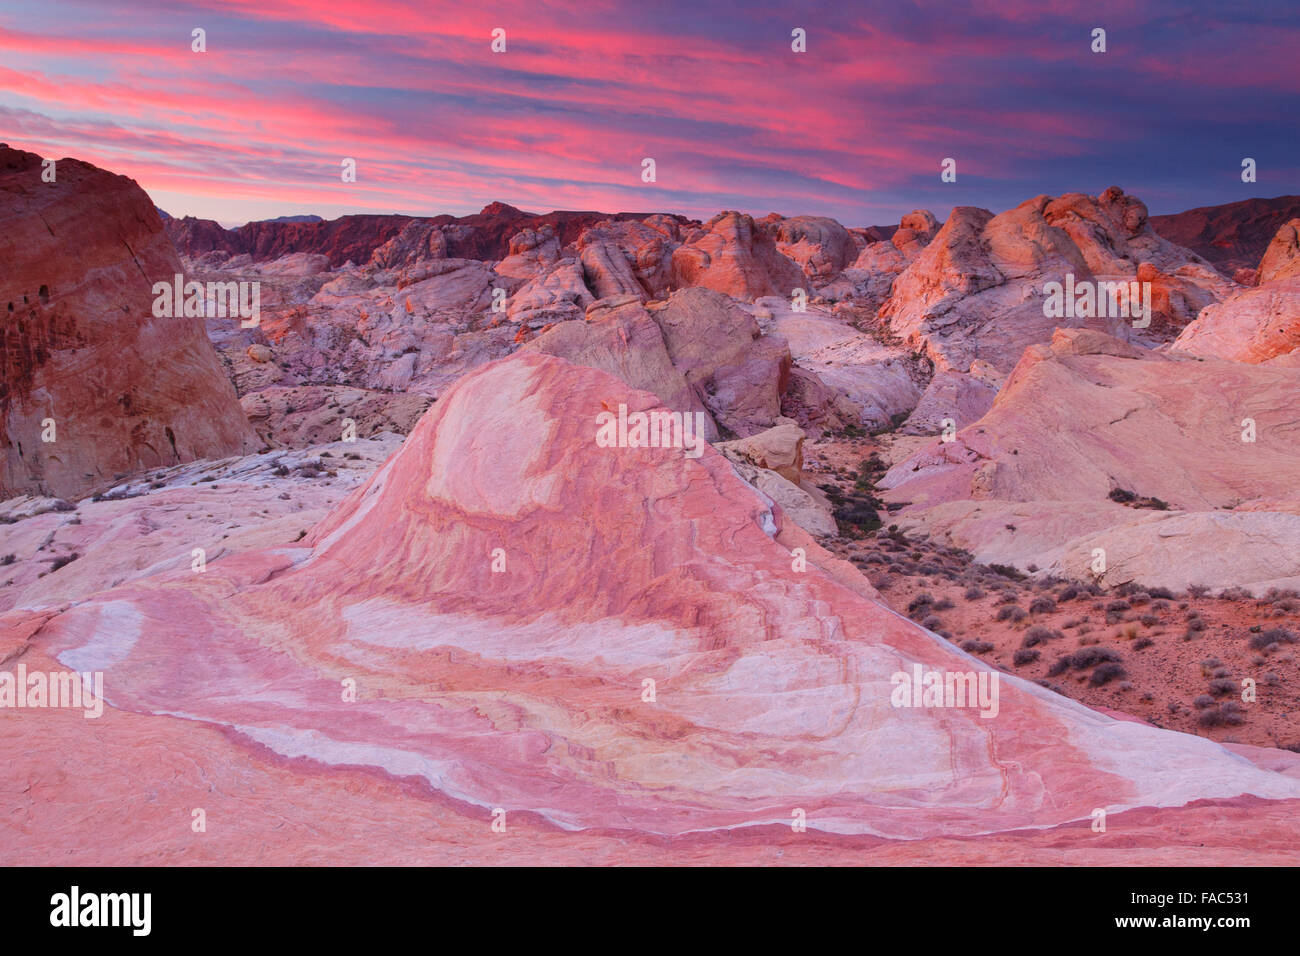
(778, 449)
(975, 295)
(629, 257)
(738, 372)
(821, 246)
(1090, 423)
(628, 344)
(1255, 325)
(93, 386)
(1259, 324)
(870, 277)
(977, 290)
(302, 415)
(54, 555)
(730, 254)
(772, 462)
(772, 688)
(845, 375)
(698, 351)
(1258, 549)
(1282, 257)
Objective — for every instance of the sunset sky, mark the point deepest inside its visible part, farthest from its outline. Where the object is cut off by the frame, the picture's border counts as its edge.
(855, 128)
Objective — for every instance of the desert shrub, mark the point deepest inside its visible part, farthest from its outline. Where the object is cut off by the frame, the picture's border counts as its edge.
(1276, 635)
(974, 593)
(1202, 701)
(922, 600)
(1117, 606)
(1197, 590)
(1221, 686)
(1142, 643)
(976, 647)
(1161, 593)
(1025, 656)
(1090, 656)
(1087, 657)
(63, 561)
(1011, 612)
(1042, 605)
(943, 604)
(1149, 620)
(1068, 594)
(1105, 673)
(1006, 571)
(932, 623)
(1037, 635)
(1228, 712)
(855, 515)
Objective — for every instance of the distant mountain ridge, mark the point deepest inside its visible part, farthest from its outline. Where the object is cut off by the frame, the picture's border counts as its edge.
(300, 218)
(1232, 235)
(483, 235)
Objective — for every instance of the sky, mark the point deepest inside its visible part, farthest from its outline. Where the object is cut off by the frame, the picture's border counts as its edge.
(856, 127)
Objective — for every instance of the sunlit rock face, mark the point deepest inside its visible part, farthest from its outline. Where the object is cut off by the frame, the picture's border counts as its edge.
(1258, 324)
(977, 291)
(93, 385)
